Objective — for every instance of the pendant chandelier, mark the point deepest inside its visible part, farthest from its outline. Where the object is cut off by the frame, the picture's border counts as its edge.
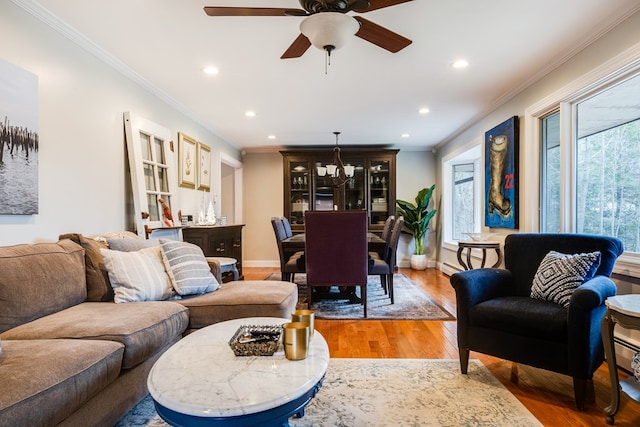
(336, 170)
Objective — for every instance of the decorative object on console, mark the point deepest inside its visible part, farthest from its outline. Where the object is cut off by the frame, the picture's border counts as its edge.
(338, 172)
(501, 174)
(416, 219)
(186, 161)
(167, 217)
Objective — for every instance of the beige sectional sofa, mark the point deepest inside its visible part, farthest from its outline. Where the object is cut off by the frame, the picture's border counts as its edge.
(71, 356)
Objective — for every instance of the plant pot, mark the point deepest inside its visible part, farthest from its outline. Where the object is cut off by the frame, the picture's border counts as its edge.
(419, 262)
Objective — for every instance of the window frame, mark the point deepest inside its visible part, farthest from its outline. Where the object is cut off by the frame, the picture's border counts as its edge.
(612, 72)
(470, 153)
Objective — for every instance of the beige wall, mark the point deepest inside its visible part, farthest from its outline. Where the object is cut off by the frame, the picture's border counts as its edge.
(82, 157)
(621, 38)
(263, 199)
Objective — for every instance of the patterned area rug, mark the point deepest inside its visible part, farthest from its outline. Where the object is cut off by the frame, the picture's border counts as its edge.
(396, 392)
(411, 302)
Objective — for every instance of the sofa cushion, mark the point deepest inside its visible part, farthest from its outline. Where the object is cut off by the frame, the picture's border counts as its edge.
(98, 286)
(559, 274)
(143, 328)
(39, 279)
(187, 267)
(246, 298)
(521, 316)
(45, 381)
(137, 276)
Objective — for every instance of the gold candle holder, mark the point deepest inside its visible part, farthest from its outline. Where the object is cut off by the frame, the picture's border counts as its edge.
(304, 316)
(295, 338)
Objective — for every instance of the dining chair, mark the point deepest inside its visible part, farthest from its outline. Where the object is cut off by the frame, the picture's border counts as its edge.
(336, 250)
(289, 264)
(385, 267)
(386, 235)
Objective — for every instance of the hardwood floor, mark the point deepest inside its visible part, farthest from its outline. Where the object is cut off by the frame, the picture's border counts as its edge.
(547, 395)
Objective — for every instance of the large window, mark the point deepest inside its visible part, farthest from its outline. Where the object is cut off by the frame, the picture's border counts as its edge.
(461, 193)
(604, 171)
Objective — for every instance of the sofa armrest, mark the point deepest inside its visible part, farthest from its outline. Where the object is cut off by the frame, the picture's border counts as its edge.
(475, 286)
(216, 270)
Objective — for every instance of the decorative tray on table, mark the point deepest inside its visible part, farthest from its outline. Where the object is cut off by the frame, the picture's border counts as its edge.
(256, 340)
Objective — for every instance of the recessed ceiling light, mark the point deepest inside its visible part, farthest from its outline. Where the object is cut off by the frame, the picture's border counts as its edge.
(423, 110)
(271, 137)
(250, 113)
(460, 63)
(405, 135)
(211, 70)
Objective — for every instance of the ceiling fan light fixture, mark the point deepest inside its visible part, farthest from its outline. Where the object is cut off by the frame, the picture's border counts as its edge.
(329, 30)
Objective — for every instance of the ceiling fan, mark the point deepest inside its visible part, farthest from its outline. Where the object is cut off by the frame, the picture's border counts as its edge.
(331, 10)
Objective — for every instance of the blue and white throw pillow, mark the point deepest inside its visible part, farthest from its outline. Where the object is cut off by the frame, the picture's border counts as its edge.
(560, 274)
(188, 268)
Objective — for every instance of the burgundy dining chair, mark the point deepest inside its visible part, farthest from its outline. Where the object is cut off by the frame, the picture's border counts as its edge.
(336, 250)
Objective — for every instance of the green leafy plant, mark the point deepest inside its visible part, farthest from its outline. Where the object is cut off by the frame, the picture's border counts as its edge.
(417, 217)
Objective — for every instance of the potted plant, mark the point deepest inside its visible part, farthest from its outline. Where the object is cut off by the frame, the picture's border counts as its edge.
(416, 219)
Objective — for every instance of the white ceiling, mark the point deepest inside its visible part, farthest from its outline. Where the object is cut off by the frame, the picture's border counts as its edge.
(369, 94)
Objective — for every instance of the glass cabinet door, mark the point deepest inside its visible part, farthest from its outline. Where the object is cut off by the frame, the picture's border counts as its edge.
(355, 193)
(323, 191)
(379, 191)
(300, 182)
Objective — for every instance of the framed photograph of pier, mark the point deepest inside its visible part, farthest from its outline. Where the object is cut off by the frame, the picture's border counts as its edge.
(19, 141)
(501, 174)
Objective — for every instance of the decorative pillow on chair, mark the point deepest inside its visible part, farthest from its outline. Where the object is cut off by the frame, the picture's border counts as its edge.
(187, 267)
(137, 276)
(560, 274)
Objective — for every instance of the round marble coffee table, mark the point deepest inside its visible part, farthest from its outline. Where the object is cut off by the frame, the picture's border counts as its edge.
(199, 381)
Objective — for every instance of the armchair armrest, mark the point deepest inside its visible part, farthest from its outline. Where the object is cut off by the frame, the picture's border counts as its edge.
(592, 293)
(475, 286)
(216, 270)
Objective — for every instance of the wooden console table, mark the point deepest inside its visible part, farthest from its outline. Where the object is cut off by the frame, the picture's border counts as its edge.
(218, 241)
(478, 245)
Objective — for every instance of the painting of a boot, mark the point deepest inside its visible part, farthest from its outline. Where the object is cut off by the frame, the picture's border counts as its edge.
(501, 178)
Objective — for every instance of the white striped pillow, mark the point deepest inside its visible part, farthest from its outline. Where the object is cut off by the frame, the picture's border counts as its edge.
(188, 269)
(137, 276)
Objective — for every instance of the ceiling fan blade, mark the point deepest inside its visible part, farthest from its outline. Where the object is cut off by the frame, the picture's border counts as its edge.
(381, 36)
(252, 11)
(297, 48)
(379, 4)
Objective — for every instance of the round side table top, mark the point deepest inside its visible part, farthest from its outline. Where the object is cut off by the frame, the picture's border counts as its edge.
(625, 304)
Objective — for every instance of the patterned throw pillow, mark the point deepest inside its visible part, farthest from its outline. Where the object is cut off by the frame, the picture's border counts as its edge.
(137, 276)
(560, 274)
(187, 267)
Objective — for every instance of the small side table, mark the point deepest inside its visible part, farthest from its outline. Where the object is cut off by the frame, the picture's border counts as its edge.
(478, 245)
(625, 311)
(227, 265)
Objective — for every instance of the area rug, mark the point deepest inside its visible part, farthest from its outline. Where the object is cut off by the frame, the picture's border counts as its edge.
(396, 392)
(411, 302)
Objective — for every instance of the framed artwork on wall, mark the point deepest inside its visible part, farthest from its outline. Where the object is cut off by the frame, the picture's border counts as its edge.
(204, 167)
(186, 161)
(19, 141)
(501, 146)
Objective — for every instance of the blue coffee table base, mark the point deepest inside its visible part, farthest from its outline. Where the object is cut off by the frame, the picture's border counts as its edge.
(273, 417)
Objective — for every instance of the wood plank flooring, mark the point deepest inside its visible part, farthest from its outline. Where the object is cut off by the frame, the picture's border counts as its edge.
(547, 395)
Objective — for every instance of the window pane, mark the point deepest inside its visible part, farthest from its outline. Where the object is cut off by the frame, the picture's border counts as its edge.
(159, 146)
(152, 204)
(145, 143)
(463, 200)
(550, 176)
(149, 179)
(162, 178)
(608, 176)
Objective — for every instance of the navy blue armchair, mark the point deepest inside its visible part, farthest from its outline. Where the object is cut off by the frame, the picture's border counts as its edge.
(497, 316)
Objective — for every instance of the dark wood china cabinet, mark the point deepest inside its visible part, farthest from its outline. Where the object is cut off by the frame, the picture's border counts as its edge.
(372, 187)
